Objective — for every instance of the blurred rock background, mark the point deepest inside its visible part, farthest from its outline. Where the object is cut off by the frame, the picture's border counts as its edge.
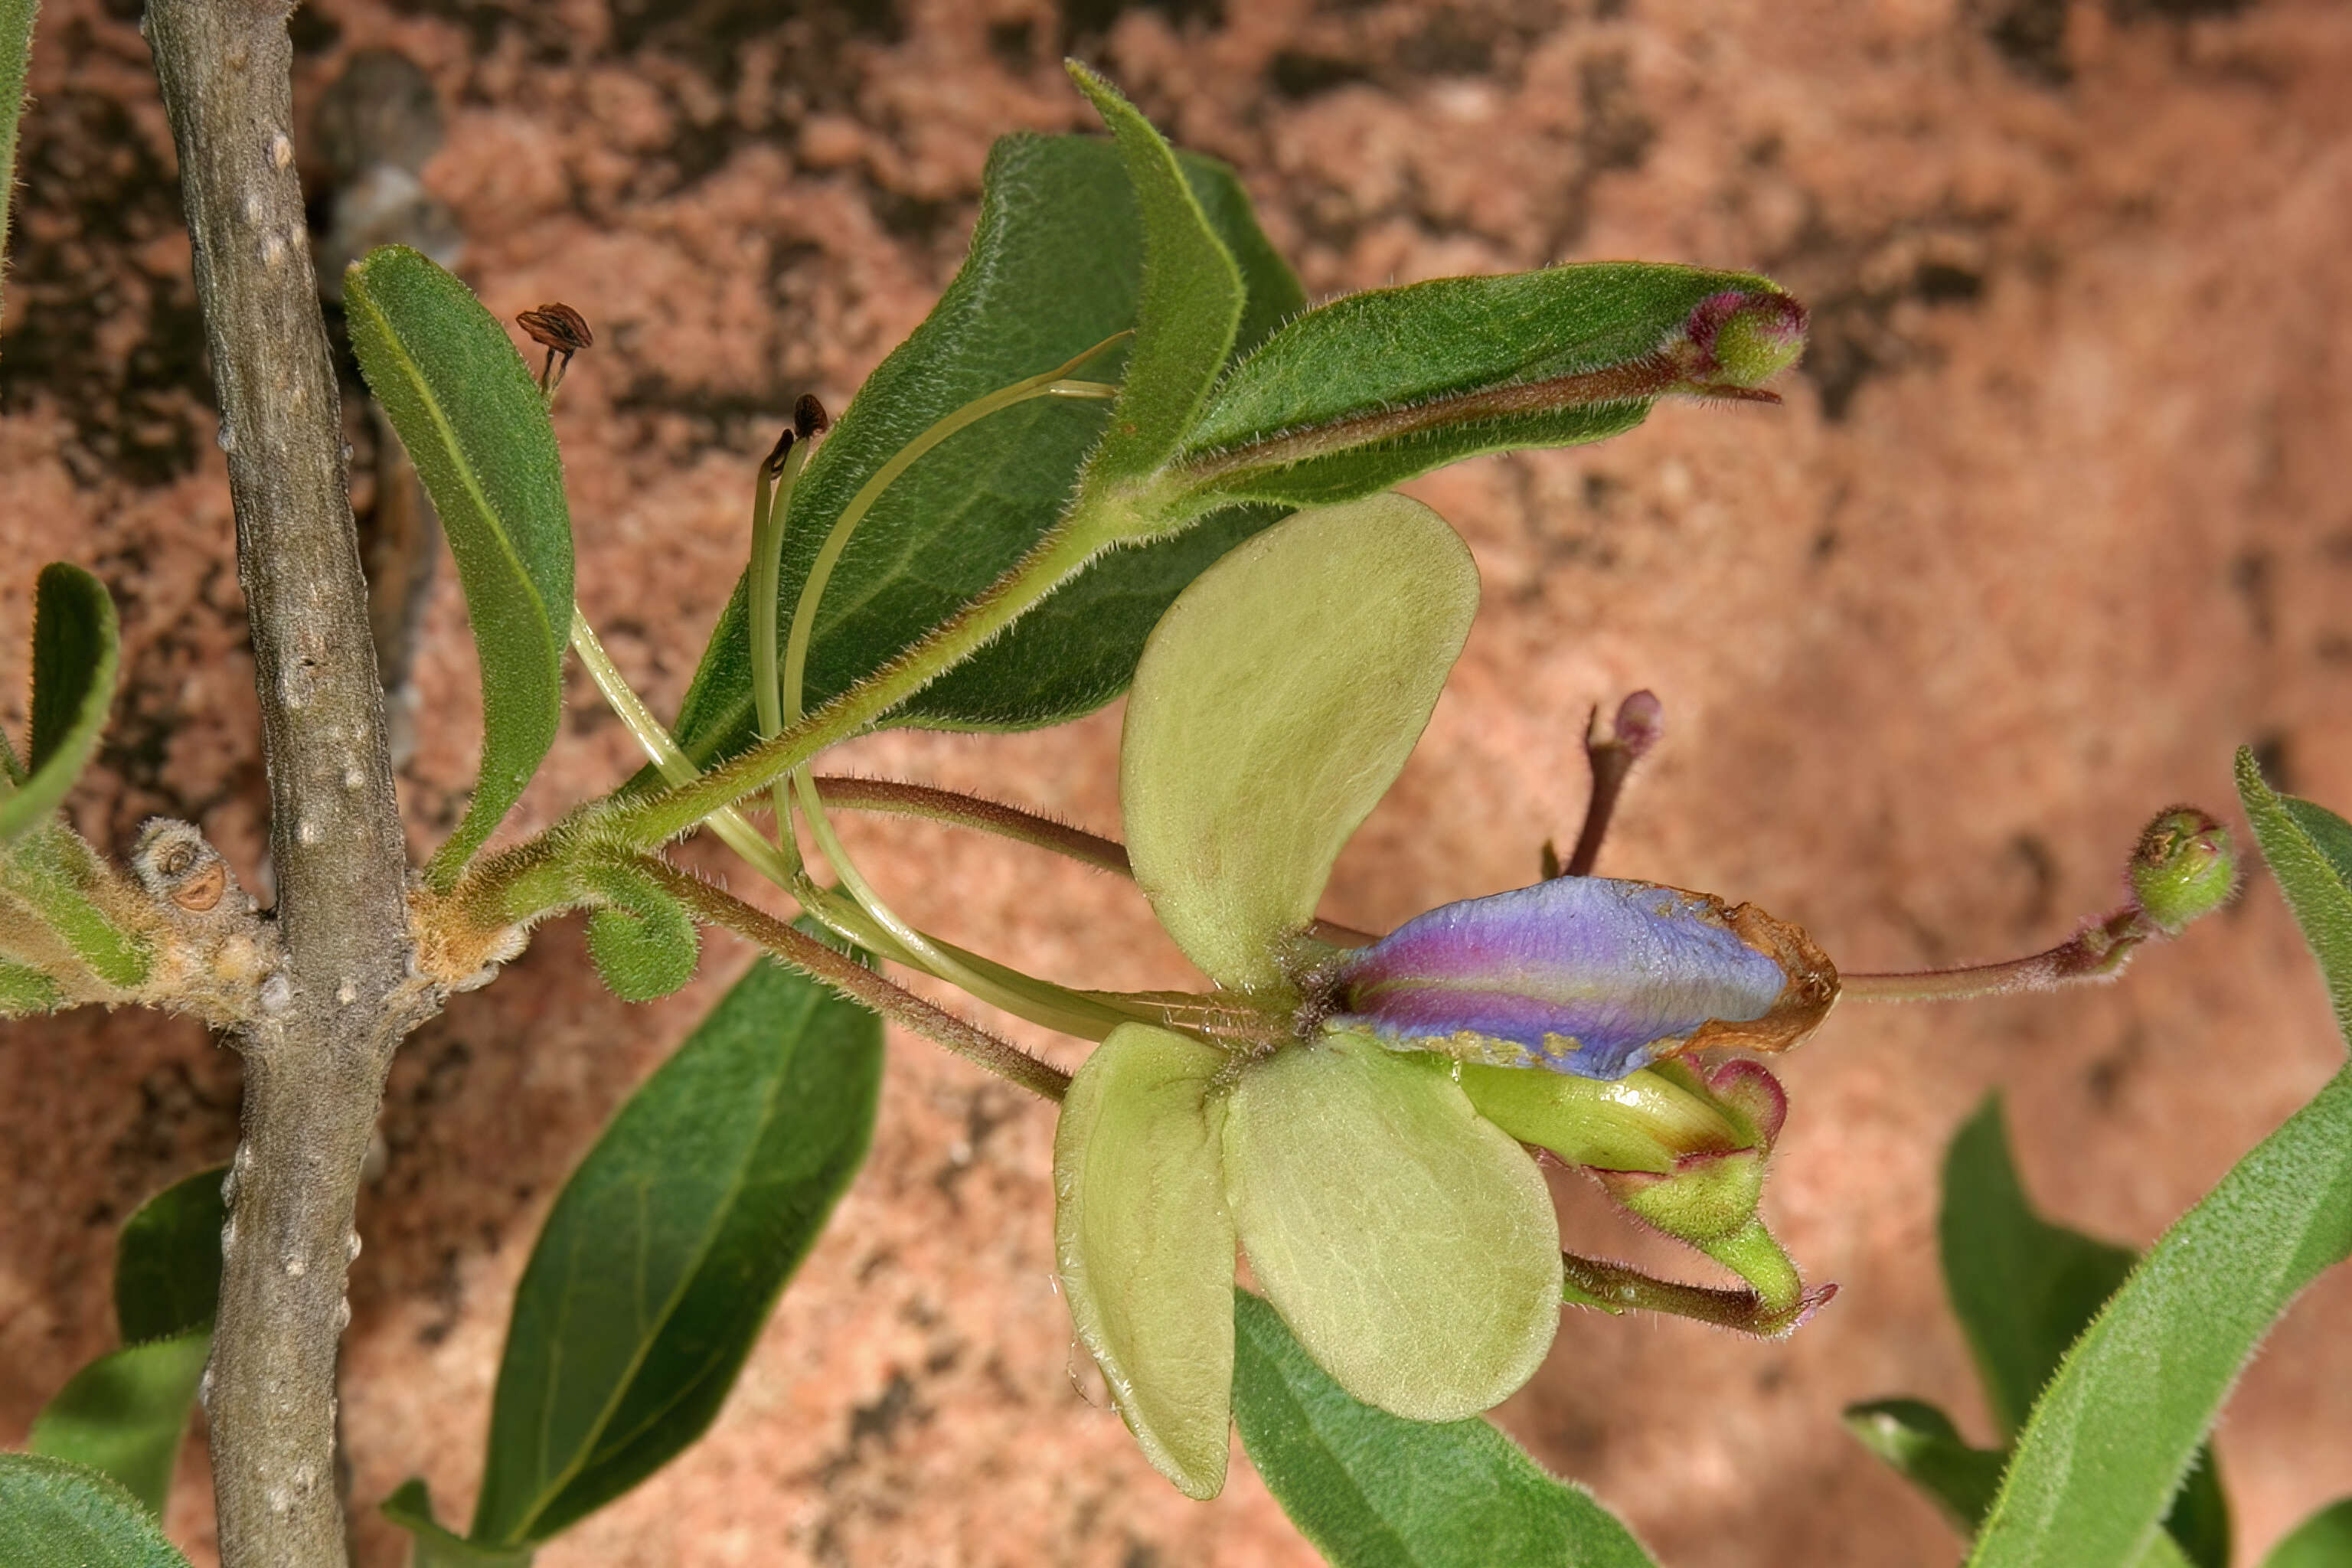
(2052, 520)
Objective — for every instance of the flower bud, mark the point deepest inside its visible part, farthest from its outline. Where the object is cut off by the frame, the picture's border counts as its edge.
(1743, 337)
(1586, 975)
(2185, 866)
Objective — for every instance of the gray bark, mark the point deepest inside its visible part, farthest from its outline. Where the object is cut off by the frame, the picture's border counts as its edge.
(315, 1061)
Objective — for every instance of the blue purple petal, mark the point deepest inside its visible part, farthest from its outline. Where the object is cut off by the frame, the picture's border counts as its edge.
(1586, 976)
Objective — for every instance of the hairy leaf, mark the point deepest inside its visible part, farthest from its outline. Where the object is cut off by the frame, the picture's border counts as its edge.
(54, 1514)
(1056, 267)
(167, 1261)
(77, 656)
(125, 1413)
(644, 943)
(15, 50)
(2309, 850)
(667, 1247)
(2322, 1541)
(432, 1545)
(2024, 1290)
(1373, 1490)
(2110, 1441)
(477, 428)
(1188, 309)
(1373, 388)
(1920, 1444)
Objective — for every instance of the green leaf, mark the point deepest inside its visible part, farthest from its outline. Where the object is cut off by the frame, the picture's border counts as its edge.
(2110, 1440)
(61, 879)
(477, 428)
(1145, 1243)
(1372, 1490)
(1056, 267)
(432, 1545)
(2309, 850)
(2322, 1541)
(167, 1262)
(1273, 707)
(668, 1247)
(1374, 388)
(1189, 308)
(15, 51)
(76, 654)
(54, 1514)
(1920, 1443)
(125, 1413)
(2023, 1289)
(1407, 1242)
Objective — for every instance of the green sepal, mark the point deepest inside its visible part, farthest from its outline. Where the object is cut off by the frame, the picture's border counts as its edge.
(76, 658)
(476, 425)
(1145, 1243)
(1643, 1121)
(1276, 702)
(1409, 1243)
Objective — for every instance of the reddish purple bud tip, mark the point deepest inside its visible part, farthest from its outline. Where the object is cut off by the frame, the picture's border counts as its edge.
(1641, 724)
(1740, 339)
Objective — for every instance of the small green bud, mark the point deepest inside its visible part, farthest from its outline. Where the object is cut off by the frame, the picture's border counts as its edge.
(1740, 339)
(2185, 866)
(642, 940)
(1708, 1198)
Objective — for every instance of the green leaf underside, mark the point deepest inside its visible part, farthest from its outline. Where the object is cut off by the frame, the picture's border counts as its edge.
(433, 1546)
(76, 654)
(1410, 1244)
(54, 1514)
(2309, 849)
(1274, 704)
(1426, 344)
(2110, 1440)
(1372, 1490)
(666, 1250)
(1056, 267)
(1920, 1443)
(475, 427)
(2024, 1290)
(2322, 1541)
(1145, 1243)
(125, 1414)
(1188, 309)
(167, 1261)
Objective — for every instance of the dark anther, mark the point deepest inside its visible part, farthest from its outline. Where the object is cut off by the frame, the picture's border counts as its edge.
(562, 332)
(774, 462)
(809, 417)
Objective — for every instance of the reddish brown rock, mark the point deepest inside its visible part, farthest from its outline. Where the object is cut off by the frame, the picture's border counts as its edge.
(2053, 521)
